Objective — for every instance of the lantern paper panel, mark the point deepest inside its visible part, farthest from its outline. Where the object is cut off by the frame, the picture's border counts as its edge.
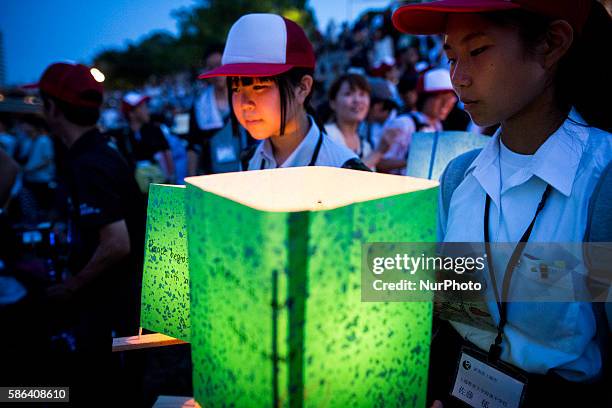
(165, 300)
(277, 317)
(430, 152)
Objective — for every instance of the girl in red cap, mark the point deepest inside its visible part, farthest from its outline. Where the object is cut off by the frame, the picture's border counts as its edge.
(536, 68)
(269, 64)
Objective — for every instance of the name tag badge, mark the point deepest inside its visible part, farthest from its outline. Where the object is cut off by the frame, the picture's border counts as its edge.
(483, 385)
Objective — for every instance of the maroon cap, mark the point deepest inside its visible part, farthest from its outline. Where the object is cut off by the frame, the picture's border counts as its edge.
(71, 83)
(430, 18)
(131, 100)
(264, 45)
(433, 81)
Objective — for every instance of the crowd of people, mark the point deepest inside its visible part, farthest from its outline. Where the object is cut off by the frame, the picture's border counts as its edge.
(352, 100)
(373, 87)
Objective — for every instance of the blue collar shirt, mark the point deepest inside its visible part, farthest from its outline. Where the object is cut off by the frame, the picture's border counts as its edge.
(538, 336)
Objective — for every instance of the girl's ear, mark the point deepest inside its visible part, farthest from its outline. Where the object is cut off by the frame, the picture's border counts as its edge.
(558, 40)
(303, 88)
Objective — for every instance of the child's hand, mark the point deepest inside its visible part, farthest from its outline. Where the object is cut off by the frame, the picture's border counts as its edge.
(388, 139)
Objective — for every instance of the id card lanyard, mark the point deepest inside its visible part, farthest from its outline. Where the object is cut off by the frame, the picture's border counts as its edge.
(495, 349)
(313, 160)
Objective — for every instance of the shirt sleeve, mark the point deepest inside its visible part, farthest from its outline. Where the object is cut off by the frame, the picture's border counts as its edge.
(399, 149)
(160, 141)
(41, 152)
(98, 196)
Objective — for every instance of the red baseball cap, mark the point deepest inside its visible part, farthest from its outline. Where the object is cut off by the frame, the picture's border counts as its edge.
(131, 100)
(430, 18)
(264, 45)
(433, 81)
(71, 83)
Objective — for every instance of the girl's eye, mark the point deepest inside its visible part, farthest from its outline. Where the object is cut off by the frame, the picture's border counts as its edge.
(259, 87)
(478, 51)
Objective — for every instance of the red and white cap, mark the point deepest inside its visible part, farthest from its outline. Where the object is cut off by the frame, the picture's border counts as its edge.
(131, 100)
(264, 45)
(430, 18)
(436, 80)
(71, 83)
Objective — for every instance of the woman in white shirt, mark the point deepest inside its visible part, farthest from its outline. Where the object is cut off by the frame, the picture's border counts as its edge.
(349, 99)
(532, 67)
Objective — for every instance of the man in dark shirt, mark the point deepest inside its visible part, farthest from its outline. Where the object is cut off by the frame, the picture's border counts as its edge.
(142, 141)
(107, 220)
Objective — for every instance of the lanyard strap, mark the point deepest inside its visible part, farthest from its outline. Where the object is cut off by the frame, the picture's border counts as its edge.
(495, 349)
(315, 154)
(360, 154)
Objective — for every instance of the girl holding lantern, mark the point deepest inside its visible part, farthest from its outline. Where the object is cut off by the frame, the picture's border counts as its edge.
(536, 67)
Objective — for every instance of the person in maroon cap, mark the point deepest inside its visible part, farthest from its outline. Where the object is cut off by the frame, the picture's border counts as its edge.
(107, 221)
(538, 69)
(269, 63)
(436, 99)
(143, 143)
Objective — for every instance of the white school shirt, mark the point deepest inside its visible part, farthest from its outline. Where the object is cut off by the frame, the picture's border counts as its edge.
(335, 134)
(538, 336)
(331, 153)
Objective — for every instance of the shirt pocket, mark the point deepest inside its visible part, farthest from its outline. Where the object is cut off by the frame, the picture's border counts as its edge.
(549, 276)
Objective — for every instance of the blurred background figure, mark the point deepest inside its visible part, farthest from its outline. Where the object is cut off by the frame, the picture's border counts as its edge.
(98, 293)
(39, 169)
(407, 89)
(209, 114)
(383, 108)
(435, 101)
(8, 174)
(143, 143)
(110, 116)
(349, 99)
(8, 143)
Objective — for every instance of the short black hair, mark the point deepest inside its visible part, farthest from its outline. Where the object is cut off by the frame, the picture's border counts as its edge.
(79, 115)
(408, 82)
(387, 104)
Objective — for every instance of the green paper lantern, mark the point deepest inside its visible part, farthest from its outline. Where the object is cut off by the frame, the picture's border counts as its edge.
(165, 283)
(430, 152)
(277, 317)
